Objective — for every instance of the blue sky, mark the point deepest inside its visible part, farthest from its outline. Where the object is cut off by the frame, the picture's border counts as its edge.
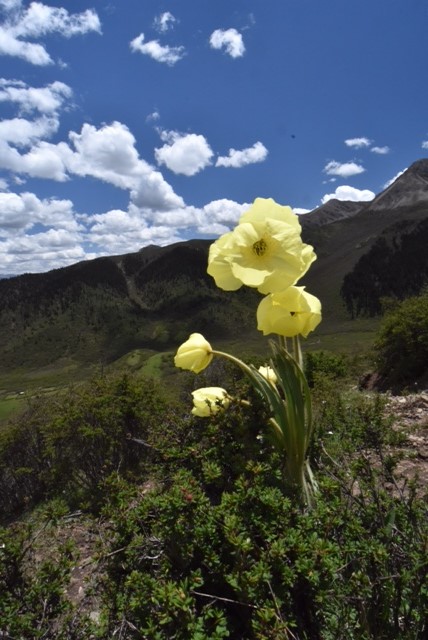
(125, 123)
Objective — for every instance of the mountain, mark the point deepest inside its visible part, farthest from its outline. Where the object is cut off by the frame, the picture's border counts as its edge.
(374, 249)
(96, 311)
(408, 190)
(331, 211)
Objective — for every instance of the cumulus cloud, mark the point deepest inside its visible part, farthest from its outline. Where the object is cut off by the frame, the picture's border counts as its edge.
(22, 132)
(164, 22)
(42, 161)
(41, 251)
(358, 143)
(224, 211)
(184, 153)
(236, 159)
(120, 231)
(108, 154)
(346, 192)
(424, 144)
(21, 212)
(46, 100)
(230, 40)
(37, 21)
(160, 53)
(382, 151)
(344, 170)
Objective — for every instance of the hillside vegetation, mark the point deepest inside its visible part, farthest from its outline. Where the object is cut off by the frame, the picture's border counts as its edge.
(129, 518)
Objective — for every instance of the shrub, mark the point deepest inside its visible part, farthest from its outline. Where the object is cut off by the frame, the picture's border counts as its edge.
(402, 343)
(211, 548)
(69, 446)
(217, 550)
(324, 364)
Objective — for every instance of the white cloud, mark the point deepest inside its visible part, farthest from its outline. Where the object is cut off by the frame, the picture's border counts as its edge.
(164, 22)
(34, 53)
(153, 117)
(345, 192)
(184, 153)
(389, 182)
(160, 53)
(358, 143)
(236, 159)
(41, 252)
(301, 211)
(380, 150)
(46, 100)
(10, 4)
(22, 132)
(153, 193)
(107, 153)
(21, 212)
(39, 20)
(224, 211)
(344, 170)
(424, 144)
(230, 40)
(120, 231)
(42, 161)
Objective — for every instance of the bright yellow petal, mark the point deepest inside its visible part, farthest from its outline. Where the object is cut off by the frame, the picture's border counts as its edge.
(195, 354)
(263, 208)
(289, 313)
(209, 400)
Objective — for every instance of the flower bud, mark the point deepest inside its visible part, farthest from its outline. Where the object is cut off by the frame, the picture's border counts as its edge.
(209, 400)
(195, 354)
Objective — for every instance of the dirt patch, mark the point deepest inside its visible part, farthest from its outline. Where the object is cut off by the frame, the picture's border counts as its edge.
(409, 416)
(82, 539)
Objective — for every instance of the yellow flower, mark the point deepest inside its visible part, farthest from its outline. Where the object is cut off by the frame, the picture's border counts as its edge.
(209, 400)
(269, 374)
(263, 208)
(264, 251)
(289, 313)
(195, 354)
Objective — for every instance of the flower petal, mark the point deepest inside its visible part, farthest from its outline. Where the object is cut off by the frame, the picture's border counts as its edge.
(195, 354)
(289, 313)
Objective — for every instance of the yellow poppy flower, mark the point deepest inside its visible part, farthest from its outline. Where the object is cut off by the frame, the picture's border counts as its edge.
(289, 313)
(195, 354)
(263, 208)
(209, 400)
(264, 251)
(269, 374)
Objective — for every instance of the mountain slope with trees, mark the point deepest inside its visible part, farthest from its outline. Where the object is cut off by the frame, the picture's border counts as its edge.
(98, 310)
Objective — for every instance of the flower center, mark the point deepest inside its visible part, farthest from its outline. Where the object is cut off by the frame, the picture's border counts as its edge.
(260, 247)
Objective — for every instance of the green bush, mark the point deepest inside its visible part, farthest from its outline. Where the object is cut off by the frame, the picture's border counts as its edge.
(70, 445)
(402, 343)
(324, 364)
(216, 550)
(199, 541)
